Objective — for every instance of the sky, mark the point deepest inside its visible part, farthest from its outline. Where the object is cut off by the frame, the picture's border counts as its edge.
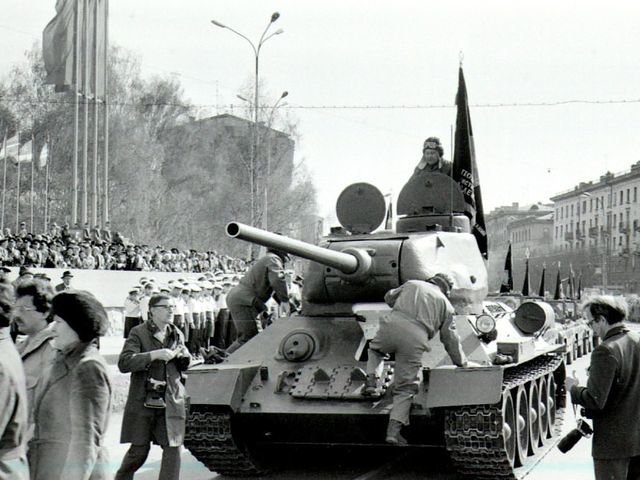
(554, 86)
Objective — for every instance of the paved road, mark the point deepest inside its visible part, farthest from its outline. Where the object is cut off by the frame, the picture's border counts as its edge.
(575, 465)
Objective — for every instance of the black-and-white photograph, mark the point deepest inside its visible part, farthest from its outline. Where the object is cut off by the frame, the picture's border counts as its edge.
(329, 240)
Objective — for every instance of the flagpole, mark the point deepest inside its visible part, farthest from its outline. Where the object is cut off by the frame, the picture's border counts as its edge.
(94, 178)
(4, 176)
(76, 116)
(85, 104)
(46, 185)
(105, 189)
(31, 196)
(18, 188)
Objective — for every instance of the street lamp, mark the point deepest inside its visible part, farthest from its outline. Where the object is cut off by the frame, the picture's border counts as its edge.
(266, 178)
(256, 51)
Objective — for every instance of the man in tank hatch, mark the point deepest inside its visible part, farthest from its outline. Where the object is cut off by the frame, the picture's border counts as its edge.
(432, 160)
(420, 309)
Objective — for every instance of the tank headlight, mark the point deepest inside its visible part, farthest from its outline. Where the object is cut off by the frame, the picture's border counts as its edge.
(485, 324)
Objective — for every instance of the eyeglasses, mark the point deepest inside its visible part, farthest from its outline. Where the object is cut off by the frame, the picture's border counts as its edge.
(22, 308)
(168, 307)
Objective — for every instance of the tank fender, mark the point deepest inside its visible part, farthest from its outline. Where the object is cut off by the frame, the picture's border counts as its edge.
(231, 382)
(450, 386)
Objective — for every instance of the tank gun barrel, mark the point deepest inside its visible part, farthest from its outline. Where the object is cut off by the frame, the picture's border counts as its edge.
(347, 263)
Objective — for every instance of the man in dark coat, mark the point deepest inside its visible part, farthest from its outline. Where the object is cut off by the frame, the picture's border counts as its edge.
(155, 408)
(13, 398)
(247, 299)
(612, 394)
(66, 281)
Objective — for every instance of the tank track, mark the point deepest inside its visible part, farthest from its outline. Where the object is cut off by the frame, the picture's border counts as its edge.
(208, 437)
(473, 434)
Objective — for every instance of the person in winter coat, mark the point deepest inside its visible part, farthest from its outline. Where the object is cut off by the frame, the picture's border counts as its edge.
(31, 313)
(13, 398)
(247, 299)
(612, 394)
(420, 310)
(71, 412)
(156, 356)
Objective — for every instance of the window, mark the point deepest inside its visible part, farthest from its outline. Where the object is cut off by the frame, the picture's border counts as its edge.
(591, 204)
(621, 197)
(635, 194)
(584, 206)
(628, 195)
(572, 209)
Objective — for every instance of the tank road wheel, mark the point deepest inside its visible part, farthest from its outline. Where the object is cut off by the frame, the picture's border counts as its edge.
(509, 427)
(543, 394)
(535, 417)
(569, 355)
(522, 426)
(551, 406)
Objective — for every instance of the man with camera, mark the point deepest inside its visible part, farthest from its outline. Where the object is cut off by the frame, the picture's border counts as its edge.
(612, 395)
(156, 356)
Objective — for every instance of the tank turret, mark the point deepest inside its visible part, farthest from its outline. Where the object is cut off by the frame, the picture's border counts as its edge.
(360, 265)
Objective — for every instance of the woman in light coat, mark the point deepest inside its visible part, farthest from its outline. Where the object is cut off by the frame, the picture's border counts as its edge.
(72, 410)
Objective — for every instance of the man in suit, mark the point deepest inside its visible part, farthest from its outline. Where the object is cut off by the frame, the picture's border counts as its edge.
(612, 394)
(66, 282)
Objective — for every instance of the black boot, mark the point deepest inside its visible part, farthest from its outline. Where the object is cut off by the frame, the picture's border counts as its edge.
(394, 436)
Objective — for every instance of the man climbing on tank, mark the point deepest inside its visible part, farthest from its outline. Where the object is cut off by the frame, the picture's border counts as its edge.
(432, 160)
(247, 299)
(420, 309)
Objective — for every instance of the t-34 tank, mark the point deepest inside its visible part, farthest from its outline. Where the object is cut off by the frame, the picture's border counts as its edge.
(299, 382)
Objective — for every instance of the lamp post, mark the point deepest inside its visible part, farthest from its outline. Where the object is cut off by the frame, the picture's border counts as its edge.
(265, 223)
(254, 153)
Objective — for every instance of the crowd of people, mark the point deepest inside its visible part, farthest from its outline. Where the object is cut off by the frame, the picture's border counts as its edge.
(55, 385)
(99, 248)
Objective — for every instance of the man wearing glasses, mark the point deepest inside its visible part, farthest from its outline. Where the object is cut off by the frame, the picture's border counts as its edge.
(31, 315)
(156, 356)
(612, 394)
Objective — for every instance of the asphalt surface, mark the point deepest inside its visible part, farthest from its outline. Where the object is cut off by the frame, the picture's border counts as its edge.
(574, 465)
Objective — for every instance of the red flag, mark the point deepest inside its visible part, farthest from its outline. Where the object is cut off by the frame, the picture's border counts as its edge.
(465, 169)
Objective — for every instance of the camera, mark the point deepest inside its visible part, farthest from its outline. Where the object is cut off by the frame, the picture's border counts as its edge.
(583, 429)
(156, 385)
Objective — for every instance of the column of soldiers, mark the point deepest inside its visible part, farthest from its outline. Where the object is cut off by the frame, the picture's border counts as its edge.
(200, 312)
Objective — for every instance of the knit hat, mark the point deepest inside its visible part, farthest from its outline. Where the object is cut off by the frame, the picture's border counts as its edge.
(82, 312)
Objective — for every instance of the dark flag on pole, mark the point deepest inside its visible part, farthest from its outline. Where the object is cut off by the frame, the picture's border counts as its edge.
(388, 223)
(525, 285)
(507, 284)
(541, 287)
(58, 46)
(579, 292)
(558, 293)
(465, 169)
(60, 43)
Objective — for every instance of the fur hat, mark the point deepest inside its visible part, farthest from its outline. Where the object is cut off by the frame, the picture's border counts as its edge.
(433, 143)
(443, 281)
(82, 312)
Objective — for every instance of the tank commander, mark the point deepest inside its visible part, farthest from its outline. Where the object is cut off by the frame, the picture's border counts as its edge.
(612, 391)
(247, 300)
(432, 158)
(420, 309)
